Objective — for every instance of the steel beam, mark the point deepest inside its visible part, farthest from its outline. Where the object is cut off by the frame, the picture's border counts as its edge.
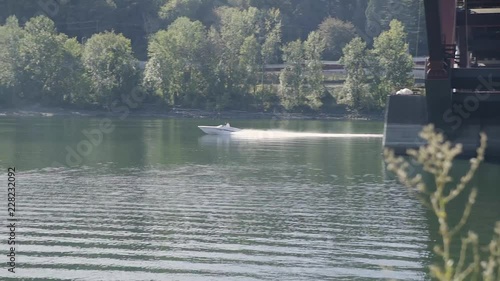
(482, 20)
(482, 3)
(437, 84)
(480, 78)
(463, 47)
(484, 45)
(448, 14)
(433, 25)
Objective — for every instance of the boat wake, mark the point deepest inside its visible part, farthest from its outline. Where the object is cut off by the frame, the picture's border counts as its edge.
(278, 134)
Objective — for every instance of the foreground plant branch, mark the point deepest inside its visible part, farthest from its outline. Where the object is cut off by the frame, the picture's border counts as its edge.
(436, 159)
(493, 261)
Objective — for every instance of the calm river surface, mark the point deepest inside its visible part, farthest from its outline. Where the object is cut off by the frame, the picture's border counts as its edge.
(155, 199)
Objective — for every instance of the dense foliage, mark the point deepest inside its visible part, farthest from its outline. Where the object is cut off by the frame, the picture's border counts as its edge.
(206, 53)
(109, 63)
(178, 68)
(137, 19)
(373, 74)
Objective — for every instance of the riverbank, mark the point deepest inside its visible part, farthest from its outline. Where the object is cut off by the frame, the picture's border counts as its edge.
(156, 112)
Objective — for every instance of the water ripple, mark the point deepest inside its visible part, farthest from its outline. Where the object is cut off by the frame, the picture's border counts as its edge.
(167, 224)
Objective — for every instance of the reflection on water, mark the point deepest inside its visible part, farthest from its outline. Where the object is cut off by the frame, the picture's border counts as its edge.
(158, 200)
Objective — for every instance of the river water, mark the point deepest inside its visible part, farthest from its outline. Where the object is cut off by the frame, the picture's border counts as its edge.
(155, 199)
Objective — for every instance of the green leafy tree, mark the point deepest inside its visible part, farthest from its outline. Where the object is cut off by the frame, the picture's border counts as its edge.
(301, 81)
(110, 65)
(235, 26)
(244, 36)
(379, 14)
(272, 37)
(77, 81)
(377, 17)
(245, 40)
(178, 69)
(249, 61)
(291, 77)
(414, 26)
(138, 19)
(173, 9)
(313, 48)
(336, 34)
(391, 66)
(10, 36)
(42, 55)
(228, 35)
(40, 64)
(134, 19)
(270, 49)
(372, 75)
(354, 90)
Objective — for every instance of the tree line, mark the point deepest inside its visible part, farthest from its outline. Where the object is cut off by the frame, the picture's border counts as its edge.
(192, 64)
(138, 19)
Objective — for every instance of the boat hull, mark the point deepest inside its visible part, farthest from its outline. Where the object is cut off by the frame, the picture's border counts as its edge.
(211, 130)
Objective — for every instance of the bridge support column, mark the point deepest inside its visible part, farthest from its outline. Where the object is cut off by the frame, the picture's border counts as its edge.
(440, 32)
(439, 101)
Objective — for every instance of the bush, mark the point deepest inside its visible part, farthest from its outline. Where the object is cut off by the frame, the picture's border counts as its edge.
(437, 159)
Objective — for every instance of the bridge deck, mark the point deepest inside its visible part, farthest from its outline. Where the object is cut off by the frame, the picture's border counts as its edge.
(462, 79)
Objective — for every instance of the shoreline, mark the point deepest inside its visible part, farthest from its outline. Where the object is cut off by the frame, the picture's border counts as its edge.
(39, 111)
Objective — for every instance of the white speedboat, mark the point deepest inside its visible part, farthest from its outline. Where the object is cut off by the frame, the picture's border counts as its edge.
(219, 130)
